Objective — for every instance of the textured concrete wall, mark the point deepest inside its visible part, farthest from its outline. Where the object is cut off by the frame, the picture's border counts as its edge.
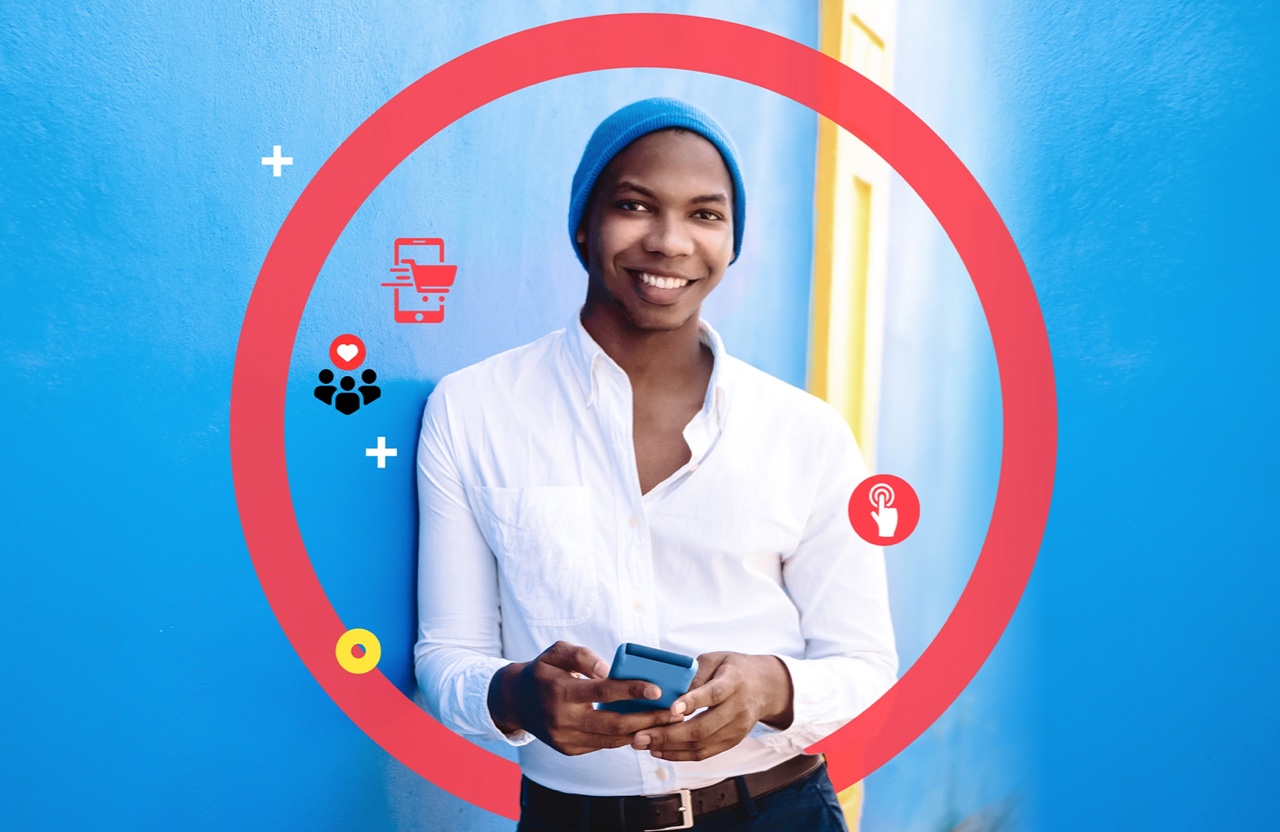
(1128, 146)
(1130, 149)
(156, 689)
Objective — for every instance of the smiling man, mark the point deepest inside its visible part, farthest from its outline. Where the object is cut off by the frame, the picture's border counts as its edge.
(626, 480)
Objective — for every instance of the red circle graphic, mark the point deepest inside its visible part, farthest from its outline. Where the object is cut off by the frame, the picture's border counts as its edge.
(884, 509)
(582, 45)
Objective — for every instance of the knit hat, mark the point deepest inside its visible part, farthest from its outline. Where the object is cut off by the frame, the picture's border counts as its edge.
(639, 119)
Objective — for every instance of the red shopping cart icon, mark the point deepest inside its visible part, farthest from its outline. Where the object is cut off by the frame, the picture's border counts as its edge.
(429, 281)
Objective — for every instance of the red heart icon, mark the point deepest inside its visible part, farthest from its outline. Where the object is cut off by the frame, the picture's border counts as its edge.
(346, 352)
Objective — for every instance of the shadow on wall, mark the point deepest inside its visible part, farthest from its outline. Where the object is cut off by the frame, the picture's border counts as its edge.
(940, 418)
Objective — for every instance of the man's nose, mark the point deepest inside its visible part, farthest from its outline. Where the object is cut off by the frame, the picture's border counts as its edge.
(669, 235)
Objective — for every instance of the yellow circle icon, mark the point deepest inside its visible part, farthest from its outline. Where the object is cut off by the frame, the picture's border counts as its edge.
(349, 641)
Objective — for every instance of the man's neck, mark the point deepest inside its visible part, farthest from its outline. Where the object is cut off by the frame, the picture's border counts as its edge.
(650, 358)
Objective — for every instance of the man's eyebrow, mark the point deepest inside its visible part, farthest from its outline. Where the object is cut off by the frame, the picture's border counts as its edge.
(718, 198)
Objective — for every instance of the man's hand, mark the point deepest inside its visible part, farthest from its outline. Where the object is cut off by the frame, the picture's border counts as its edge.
(737, 691)
(551, 696)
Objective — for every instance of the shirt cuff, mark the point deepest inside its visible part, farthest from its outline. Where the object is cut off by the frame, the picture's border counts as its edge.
(474, 691)
(813, 695)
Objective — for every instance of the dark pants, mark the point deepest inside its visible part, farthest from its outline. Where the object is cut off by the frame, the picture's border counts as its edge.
(809, 804)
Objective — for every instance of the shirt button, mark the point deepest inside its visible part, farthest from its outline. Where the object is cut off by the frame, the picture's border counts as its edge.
(634, 521)
(662, 774)
(639, 606)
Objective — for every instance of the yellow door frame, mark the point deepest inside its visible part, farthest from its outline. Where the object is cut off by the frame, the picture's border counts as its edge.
(850, 248)
(851, 231)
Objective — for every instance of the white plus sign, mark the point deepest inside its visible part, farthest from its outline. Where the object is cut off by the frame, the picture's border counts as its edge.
(276, 160)
(381, 452)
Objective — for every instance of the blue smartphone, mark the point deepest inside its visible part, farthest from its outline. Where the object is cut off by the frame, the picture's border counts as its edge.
(671, 672)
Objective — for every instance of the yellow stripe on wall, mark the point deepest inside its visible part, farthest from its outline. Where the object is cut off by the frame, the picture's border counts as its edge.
(850, 238)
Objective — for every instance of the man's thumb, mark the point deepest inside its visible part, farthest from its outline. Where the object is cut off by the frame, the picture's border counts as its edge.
(575, 659)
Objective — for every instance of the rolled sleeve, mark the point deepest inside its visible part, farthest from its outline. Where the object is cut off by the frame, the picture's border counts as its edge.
(459, 646)
(837, 582)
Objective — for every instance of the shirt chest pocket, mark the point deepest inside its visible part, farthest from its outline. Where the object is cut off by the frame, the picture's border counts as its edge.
(541, 537)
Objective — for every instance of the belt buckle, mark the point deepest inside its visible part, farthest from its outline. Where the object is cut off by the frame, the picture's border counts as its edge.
(686, 813)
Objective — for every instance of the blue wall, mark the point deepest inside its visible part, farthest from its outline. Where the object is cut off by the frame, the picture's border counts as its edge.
(1127, 145)
(157, 690)
(1141, 144)
(1130, 148)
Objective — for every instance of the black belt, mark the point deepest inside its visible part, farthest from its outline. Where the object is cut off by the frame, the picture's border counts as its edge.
(676, 810)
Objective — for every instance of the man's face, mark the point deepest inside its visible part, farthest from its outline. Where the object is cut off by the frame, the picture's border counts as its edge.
(659, 231)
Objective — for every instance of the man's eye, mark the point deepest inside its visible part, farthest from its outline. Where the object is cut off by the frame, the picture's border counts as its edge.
(631, 205)
(708, 215)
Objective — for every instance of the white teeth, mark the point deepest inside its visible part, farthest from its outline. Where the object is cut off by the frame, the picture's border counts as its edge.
(662, 282)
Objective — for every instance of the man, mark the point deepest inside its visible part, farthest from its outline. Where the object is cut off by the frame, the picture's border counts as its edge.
(625, 480)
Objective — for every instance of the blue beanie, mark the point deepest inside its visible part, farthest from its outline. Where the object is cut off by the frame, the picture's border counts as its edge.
(636, 120)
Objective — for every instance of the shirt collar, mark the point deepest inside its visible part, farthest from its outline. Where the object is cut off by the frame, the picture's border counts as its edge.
(585, 354)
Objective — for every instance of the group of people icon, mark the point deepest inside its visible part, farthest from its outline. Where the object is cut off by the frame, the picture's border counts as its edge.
(348, 401)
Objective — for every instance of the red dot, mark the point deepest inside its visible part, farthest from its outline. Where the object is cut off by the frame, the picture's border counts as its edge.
(358, 651)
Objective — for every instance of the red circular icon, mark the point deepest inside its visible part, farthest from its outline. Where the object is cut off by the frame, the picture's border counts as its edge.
(696, 44)
(884, 509)
(346, 352)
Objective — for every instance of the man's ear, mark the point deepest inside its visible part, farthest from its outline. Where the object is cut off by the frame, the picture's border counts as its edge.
(581, 238)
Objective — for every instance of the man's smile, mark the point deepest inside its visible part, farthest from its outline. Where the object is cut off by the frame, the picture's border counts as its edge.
(662, 288)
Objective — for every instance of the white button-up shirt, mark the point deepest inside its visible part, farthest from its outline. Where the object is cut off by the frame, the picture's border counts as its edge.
(533, 529)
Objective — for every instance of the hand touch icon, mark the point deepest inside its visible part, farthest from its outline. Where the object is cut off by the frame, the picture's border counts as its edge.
(886, 518)
(894, 512)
